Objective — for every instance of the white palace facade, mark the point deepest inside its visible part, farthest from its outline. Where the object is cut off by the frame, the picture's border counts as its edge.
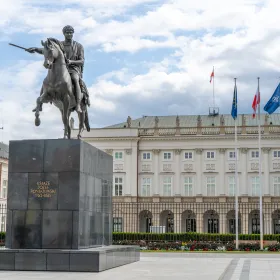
(4, 154)
(176, 173)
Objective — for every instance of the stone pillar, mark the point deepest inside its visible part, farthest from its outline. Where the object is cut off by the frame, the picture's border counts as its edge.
(245, 223)
(199, 223)
(156, 172)
(223, 222)
(155, 219)
(243, 187)
(222, 190)
(267, 224)
(177, 222)
(198, 171)
(128, 165)
(266, 187)
(177, 185)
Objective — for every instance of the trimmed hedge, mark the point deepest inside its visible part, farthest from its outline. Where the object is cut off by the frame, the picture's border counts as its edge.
(190, 236)
(2, 235)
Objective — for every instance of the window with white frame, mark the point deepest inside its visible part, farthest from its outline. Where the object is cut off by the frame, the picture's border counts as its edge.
(118, 155)
(4, 189)
(210, 154)
(254, 154)
(167, 186)
(117, 224)
(188, 155)
(3, 223)
(210, 186)
(146, 155)
(188, 186)
(255, 186)
(167, 156)
(276, 186)
(276, 154)
(231, 186)
(146, 187)
(231, 155)
(118, 186)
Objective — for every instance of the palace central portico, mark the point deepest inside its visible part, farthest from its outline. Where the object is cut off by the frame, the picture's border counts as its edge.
(176, 173)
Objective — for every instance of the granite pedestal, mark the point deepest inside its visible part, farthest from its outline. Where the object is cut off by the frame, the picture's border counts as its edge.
(60, 208)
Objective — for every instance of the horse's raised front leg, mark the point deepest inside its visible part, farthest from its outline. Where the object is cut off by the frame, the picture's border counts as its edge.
(40, 105)
(40, 100)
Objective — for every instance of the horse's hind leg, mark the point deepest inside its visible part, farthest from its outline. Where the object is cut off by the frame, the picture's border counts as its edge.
(69, 128)
(65, 117)
(81, 123)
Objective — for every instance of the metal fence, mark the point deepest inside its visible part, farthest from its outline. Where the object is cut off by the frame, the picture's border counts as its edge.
(187, 217)
(195, 217)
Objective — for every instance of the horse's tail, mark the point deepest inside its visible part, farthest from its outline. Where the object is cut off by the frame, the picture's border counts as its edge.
(87, 121)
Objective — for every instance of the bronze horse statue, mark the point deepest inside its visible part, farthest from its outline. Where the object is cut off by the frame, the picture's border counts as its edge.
(57, 88)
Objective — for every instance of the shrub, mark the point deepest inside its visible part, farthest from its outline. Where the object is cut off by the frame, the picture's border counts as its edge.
(190, 236)
(274, 247)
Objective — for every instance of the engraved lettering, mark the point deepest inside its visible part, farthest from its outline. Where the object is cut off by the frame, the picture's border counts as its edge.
(43, 190)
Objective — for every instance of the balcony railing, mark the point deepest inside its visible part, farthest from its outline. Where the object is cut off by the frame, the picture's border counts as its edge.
(217, 130)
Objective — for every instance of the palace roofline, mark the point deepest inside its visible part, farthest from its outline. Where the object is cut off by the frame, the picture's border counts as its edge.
(173, 121)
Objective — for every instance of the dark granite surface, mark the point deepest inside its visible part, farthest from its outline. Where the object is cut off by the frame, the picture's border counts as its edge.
(84, 260)
(63, 200)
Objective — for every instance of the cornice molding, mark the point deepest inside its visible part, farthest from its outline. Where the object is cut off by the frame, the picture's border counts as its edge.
(183, 137)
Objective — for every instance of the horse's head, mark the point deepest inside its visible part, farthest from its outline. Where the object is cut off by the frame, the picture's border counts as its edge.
(50, 52)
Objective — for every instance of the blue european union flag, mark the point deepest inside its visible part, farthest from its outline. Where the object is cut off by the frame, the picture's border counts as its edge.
(234, 103)
(274, 101)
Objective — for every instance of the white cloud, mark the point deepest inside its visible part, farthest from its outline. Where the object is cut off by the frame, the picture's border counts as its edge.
(240, 38)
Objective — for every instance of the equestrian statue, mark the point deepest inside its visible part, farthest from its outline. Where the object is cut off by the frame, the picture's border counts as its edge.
(63, 85)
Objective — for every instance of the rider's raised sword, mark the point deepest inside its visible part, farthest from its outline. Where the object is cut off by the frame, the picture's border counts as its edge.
(18, 46)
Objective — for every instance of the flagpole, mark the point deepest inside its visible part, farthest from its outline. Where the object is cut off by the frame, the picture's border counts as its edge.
(236, 180)
(260, 168)
(213, 90)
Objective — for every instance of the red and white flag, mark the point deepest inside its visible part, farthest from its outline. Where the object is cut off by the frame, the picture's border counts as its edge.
(256, 102)
(212, 75)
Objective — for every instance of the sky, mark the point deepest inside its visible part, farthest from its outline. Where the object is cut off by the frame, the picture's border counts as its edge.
(142, 57)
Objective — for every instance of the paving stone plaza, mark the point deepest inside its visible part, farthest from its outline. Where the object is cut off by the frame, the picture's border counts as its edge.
(179, 266)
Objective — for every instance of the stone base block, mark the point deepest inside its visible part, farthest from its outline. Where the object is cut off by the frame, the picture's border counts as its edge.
(83, 260)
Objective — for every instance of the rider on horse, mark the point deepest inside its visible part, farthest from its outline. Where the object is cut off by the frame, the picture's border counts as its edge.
(74, 56)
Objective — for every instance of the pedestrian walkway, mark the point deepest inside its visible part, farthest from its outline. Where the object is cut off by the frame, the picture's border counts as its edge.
(179, 266)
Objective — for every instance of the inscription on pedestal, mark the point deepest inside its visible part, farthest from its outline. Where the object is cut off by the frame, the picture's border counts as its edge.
(43, 190)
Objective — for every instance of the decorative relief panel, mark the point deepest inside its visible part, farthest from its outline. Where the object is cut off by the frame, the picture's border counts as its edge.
(118, 167)
(188, 167)
(276, 165)
(231, 166)
(146, 167)
(254, 166)
(210, 166)
(167, 167)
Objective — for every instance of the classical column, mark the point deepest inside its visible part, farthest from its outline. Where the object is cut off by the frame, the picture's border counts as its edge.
(222, 190)
(177, 189)
(128, 163)
(156, 172)
(198, 160)
(243, 187)
(266, 187)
